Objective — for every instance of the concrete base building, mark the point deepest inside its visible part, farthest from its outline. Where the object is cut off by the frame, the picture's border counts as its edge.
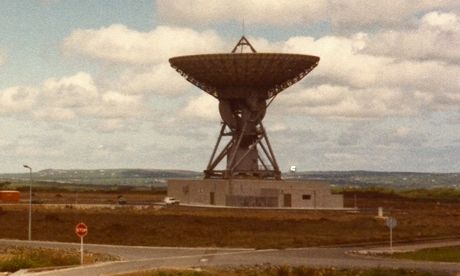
(255, 193)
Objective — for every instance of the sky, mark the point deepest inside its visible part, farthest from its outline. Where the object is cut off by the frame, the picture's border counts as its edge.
(87, 84)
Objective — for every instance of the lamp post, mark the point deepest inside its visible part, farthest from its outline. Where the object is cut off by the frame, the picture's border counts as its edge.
(30, 202)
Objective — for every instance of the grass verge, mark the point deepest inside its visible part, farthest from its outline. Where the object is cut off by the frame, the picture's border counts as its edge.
(442, 254)
(16, 258)
(280, 271)
(441, 194)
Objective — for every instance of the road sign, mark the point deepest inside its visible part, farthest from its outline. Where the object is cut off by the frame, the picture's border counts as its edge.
(81, 230)
(391, 222)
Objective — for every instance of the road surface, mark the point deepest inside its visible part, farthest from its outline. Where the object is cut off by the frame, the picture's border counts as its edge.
(135, 258)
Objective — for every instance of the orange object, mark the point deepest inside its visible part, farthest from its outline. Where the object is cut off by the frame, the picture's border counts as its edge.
(9, 196)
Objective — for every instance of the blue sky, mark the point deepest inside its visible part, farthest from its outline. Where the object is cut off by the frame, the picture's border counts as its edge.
(87, 84)
(33, 30)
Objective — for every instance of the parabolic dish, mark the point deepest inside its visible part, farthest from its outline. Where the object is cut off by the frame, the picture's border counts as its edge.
(266, 73)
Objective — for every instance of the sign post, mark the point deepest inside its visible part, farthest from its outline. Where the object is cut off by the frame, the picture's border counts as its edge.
(81, 230)
(391, 223)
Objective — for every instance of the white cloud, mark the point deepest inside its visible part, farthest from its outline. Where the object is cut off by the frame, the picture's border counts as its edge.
(437, 36)
(75, 91)
(350, 81)
(119, 44)
(112, 124)
(3, 56)
(432, 76)
(340, 101)
(441, 21)
(357, 83)
(341, 58)
(203, 107)
(14, 100)
(400, 137)
(355, 135)
(118, 106)
(354, 13)
(71, 98)
(78, 96)
(4, 144)
(157, 79)
(256, 11)
(143, 55)
(278, 126)
(341, 14)
(343, 61)
(55, 114)
(46, 146)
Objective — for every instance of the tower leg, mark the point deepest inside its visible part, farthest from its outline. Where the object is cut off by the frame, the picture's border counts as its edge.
(241, 155)
(217, 145)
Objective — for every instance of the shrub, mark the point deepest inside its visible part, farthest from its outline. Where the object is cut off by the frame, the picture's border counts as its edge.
(38, 257)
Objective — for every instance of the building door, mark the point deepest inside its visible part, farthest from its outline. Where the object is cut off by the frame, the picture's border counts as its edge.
(287, 200)
(211, 198)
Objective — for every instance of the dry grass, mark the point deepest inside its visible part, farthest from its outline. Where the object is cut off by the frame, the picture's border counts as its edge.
(442, 254)
(91, 197)
(280, 271)
(180, 226)
(15, 258)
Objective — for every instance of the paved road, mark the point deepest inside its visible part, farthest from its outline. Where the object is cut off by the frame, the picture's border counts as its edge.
(142, 258)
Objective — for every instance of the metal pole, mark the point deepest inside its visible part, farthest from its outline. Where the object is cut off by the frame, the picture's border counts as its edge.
(391, 239)
(235, 150)
(81, 250)
(30, 206)
(221, 155)
(275, 164)
(216, 146)
(30, 202)
(262, 162)
(251, 147)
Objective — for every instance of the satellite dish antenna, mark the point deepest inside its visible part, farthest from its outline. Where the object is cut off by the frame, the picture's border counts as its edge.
(245, 83)
(293, 169)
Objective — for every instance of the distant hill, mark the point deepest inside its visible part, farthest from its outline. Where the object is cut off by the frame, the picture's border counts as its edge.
(158, 178)
(393, 179)
(105, 177)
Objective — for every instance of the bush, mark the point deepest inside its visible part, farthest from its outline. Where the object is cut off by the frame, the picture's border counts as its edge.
(30, 258)
(15, 263)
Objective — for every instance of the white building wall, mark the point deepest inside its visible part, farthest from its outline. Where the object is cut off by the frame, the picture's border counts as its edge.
(305, 194)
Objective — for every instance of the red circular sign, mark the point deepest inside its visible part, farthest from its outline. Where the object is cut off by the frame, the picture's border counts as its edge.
(81, 229)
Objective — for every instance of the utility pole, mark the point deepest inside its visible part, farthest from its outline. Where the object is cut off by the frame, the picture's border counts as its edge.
(30, 202)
